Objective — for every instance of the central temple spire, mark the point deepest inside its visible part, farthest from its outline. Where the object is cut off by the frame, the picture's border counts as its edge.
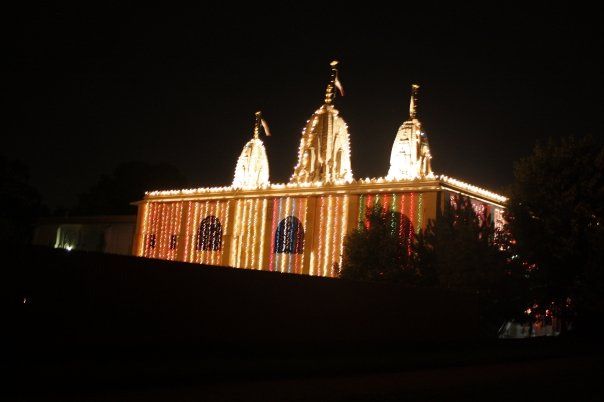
(324, 153)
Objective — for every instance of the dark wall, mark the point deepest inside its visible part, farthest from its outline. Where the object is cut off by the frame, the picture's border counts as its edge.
(87, 298)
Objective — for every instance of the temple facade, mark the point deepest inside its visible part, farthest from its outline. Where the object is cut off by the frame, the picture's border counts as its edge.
(299, 226)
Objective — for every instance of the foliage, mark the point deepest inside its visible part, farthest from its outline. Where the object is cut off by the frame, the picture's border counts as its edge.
(461, 250)
(375, 252)
(555, 214)
(19, 203)
(112, 194)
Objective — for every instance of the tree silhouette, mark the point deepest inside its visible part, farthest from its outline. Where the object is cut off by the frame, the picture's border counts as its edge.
(462, 251)
(555, 214)
(113, 193)
(376, 252)
(20, 204)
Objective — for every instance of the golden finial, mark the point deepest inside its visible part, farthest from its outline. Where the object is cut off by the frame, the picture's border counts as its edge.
(413, 102)
(330, 92)
(257, 124)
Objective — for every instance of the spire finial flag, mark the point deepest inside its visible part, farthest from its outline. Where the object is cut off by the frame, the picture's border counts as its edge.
(260, 122)
(257, 124)
(413, 102)
(334, 83)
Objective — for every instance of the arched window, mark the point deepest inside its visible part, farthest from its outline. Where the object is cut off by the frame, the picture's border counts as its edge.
(289, 237)
(209, 235)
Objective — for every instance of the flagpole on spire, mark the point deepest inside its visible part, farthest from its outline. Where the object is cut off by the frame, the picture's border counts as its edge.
(260, 122)
(413, 102)
(334, 83)
(257, 124)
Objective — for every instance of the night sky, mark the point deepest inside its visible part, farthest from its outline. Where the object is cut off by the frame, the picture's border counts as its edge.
(92, 87)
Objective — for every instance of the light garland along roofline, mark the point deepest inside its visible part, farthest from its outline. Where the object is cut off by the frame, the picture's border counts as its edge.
(360, 186)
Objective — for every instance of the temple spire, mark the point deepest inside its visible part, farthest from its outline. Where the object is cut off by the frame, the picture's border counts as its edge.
(413, 102)
(334, 83)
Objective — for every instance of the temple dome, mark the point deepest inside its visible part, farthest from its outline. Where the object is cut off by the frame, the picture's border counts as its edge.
(252, 171)
(410, 157)
(324, 153)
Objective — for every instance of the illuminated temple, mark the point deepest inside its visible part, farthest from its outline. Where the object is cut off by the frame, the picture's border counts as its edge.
(299, 226)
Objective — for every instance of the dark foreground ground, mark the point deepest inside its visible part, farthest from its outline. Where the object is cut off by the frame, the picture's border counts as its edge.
(80, 327)
(537, 369)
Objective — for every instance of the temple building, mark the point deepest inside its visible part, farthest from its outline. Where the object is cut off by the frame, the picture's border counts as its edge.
(299, 226)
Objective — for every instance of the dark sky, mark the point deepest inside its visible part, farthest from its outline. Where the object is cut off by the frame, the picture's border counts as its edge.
(92, 87)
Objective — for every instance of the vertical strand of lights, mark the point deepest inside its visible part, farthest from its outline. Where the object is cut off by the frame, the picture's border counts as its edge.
(209, 257)
(244, 231)
(203, 253)
(249, 228)
(216, 209)
(271, 256)
(319, 258)
(285, 256)
(327, 239)
(147, 248)
(155, 229)
(162, 231)
(215, 239)
(220, 216)
(195, 235)
(176, 220)
(224, 217)
(344, 229)
(280, 234)
(173, 231)
(262, 222)
(236, 234)
(158, 232)
(393, 214)
(401, 223)
(361, 221)
(188, 231)
(302, 215)
(292, 236)
(304, 223)
(386, 200)
(166, 230)
(411, 219)
(169, 228)
(142, 236)
(298, 214)
(181, 208)
(197, 232)
(420, 212)
(337, 223)
(249, 247)
(149, 228)
(369, 208)
(218, 233)
(255, 233)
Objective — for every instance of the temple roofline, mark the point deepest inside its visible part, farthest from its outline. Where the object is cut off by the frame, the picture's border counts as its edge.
(362, 186)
